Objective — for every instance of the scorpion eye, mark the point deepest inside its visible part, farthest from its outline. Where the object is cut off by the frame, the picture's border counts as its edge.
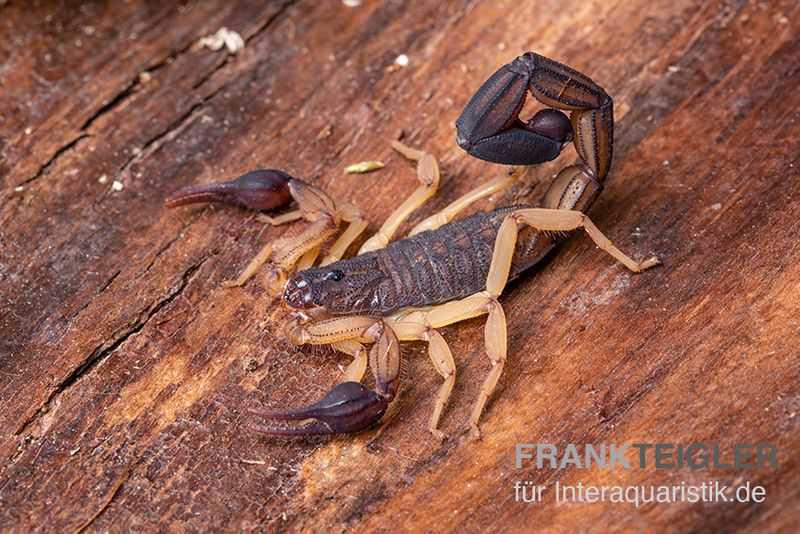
(335, 275)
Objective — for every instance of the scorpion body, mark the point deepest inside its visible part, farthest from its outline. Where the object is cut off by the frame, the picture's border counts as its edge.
(428, 268)
(448, 269)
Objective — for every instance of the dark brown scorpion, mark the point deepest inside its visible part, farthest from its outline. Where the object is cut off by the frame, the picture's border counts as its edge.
(443, 272)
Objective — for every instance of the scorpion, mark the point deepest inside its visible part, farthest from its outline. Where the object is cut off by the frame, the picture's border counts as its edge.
(446, 270)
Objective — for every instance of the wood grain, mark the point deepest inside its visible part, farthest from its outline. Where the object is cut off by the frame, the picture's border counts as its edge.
(126, 370)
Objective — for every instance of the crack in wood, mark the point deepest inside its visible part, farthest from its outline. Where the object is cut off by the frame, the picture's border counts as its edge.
(97, 294)
(173, 129)
(177, 125)
(109, 281)
(111, 104)
(102, 352)
(267, 23)
(247, 39)
(134, 83)
(131, 86)
(50, 162)
(126, 474)
(154, 143)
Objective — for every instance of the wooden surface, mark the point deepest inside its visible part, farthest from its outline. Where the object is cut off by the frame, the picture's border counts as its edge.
(126, 370)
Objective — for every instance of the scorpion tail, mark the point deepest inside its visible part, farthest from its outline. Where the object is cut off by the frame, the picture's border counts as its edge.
(349, 407)
(259, 190)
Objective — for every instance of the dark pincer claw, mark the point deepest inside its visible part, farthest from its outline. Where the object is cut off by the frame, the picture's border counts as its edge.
(259, 190)
(349, 407)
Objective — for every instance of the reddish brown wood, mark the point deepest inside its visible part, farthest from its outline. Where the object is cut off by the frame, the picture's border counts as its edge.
(125, 368)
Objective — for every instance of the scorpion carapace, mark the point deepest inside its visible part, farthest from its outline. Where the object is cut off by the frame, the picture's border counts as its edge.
(446, 270)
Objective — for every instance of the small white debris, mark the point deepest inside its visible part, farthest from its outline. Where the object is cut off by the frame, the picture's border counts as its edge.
(103, 179)
(255, 462)
(19, 188)
(673, 68)
(74, 451)
(224, 37)
(117, 186)
(665, 163)
(352, 3)
(401, 60)
(28, 130)
(716, 206)
(145, 77)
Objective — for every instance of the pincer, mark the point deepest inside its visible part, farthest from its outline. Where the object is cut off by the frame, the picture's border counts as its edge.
(263, 189)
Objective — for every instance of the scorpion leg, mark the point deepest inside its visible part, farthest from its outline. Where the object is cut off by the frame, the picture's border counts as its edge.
(351, 214)
(495, 328)
(484, 190)
(496, 345)
(305, 261)
(443, 362)
(428, 175)
(348, 407)
(414, 327)
(495, 334)
(280, 219)
(333, 330)
(355, 371)
(252, 268)
(316, 207)
(559, 220)
(541, 219)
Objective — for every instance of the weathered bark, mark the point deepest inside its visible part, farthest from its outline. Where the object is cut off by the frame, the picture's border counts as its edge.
(126, 370)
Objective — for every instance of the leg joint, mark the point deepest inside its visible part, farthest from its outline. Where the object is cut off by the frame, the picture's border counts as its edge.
(497, 361)
(375, 331)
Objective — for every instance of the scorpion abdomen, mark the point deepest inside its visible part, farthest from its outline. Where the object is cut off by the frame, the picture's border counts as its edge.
(440, 265)
(453, 261)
